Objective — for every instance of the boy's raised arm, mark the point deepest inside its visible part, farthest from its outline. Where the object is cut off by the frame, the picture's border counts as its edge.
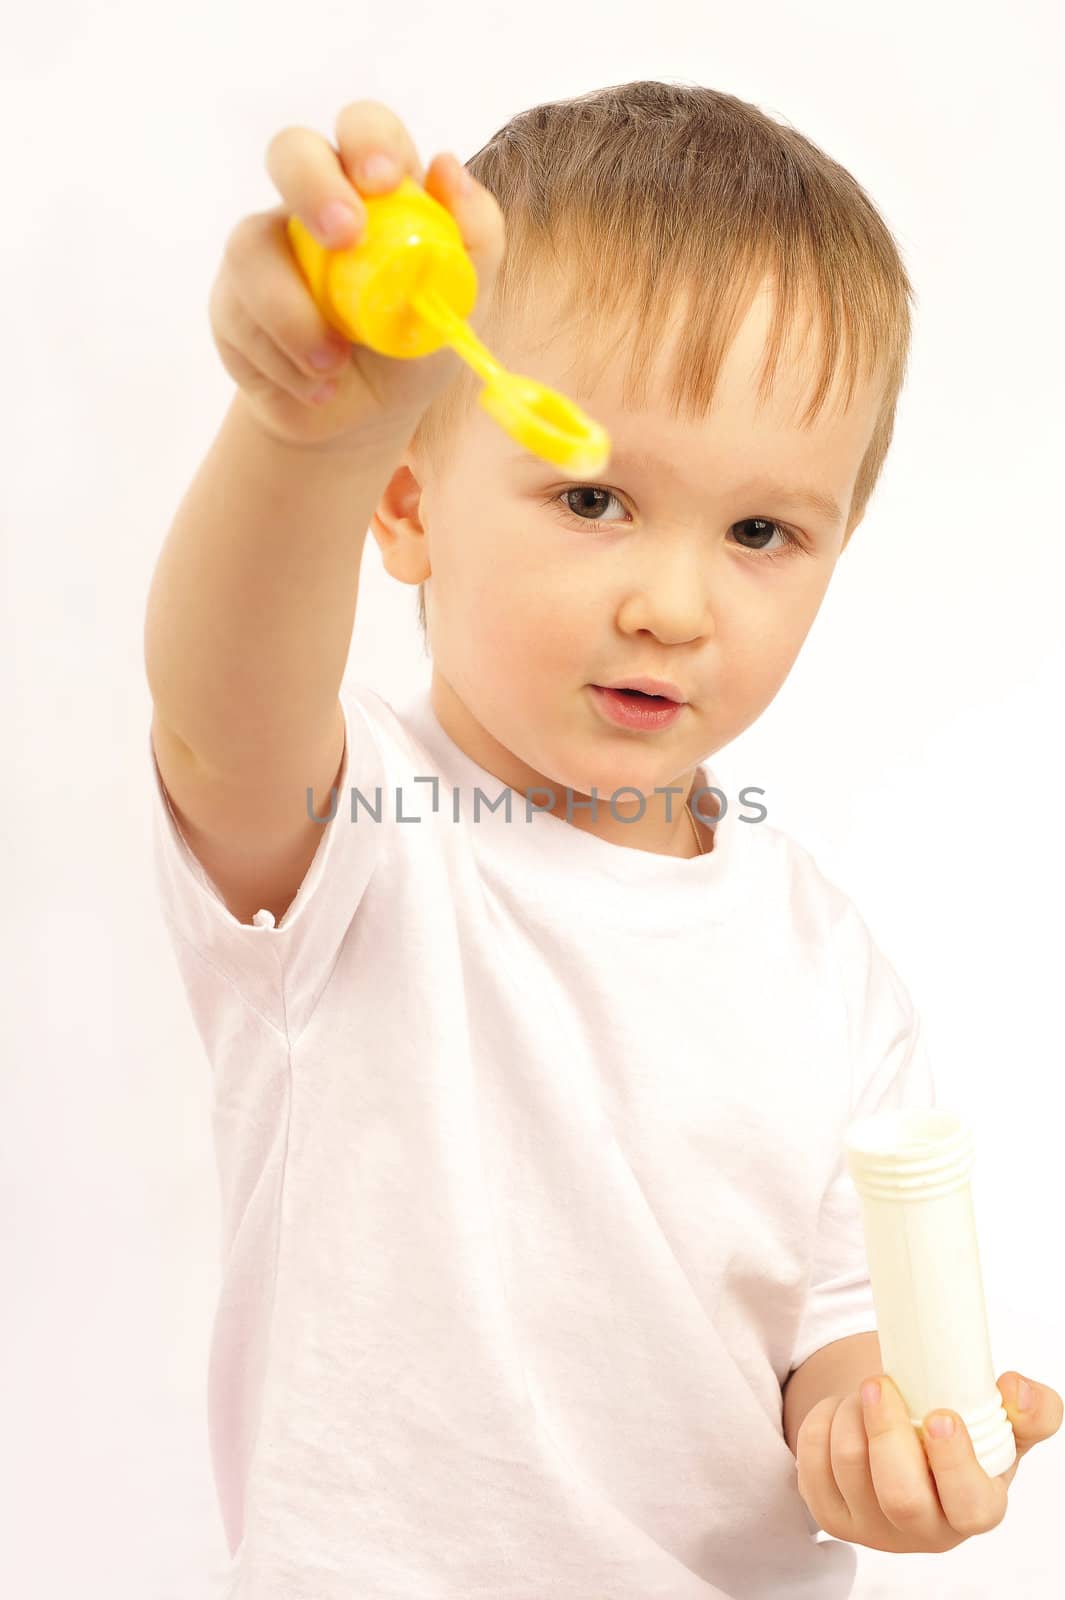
(252, 603)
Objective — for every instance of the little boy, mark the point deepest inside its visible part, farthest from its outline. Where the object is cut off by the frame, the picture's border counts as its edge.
(539, 1244)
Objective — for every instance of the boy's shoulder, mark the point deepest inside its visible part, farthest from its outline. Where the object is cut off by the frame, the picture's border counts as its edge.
(395, 723)
(818, 908)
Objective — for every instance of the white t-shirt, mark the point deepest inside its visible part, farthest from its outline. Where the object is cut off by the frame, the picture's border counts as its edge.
(533, 1191)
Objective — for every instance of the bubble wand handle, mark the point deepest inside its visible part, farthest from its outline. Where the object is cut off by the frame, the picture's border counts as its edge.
(458, 334)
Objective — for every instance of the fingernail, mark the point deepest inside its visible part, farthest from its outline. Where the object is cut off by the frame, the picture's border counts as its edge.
(336, 222)
(871, 1393)
(378, 168)
(1025, 1396)
(940, 1426)
(329, 354)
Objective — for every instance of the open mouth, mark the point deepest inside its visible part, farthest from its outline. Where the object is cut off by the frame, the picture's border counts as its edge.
(638, 694)
(632, 708)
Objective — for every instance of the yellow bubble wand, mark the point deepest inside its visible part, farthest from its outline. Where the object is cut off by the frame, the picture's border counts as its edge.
(406, 288)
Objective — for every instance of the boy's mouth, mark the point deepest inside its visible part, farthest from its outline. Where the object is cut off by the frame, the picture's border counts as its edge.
(645, 689)
(636, 708)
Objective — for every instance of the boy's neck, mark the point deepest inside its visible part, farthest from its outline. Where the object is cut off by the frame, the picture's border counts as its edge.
(678, 835)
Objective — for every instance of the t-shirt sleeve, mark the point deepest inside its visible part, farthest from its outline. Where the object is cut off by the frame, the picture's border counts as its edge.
(890, 1069)
(278, 970)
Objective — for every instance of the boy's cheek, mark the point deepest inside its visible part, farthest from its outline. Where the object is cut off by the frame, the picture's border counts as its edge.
(531, 631)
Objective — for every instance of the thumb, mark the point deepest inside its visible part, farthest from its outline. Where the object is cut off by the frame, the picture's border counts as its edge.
(1034, 1415)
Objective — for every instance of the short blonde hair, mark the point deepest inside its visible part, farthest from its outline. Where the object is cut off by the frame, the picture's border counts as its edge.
(636, 192)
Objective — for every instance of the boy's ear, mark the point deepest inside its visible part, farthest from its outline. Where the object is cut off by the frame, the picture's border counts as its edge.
(397, 526)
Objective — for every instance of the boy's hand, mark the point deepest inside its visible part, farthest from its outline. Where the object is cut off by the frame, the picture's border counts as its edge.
(264, 319)
(867, 1478)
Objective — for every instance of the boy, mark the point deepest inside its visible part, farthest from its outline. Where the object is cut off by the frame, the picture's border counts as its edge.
(539, 1246)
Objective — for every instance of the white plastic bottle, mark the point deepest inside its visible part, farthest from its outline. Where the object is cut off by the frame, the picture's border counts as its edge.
(912, 1170)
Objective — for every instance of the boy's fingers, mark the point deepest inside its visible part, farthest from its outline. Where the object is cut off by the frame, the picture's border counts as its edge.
(312, 177)
(898, 1466)
(307, 175)
(972, 1501)
(367, 126)
(1042, 1411)
(267, 282)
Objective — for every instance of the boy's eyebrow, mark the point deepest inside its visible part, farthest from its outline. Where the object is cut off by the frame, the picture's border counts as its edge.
(646, 461)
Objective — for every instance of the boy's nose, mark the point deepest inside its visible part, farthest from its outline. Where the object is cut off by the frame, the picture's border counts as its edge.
(672, 603)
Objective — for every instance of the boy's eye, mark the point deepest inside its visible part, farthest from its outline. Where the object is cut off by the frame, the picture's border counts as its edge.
(583, 498)
(583, 494)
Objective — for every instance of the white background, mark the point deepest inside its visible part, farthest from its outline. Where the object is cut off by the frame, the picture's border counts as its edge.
(914, 749)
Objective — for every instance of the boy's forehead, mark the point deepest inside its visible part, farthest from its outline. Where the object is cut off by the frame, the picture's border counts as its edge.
(588, 362)
(588, 359)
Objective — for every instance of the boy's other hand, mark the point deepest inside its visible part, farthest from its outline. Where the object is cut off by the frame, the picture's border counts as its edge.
(271, 336)
(866, 1476)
